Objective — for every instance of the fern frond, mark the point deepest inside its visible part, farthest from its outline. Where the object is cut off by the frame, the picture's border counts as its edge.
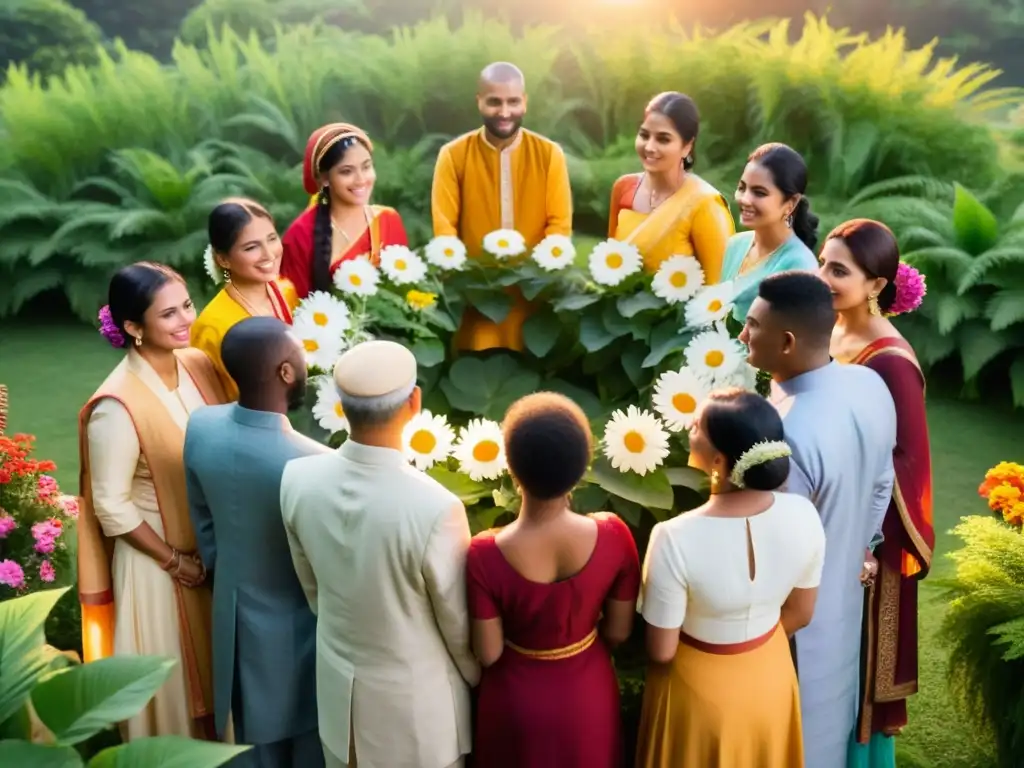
(1000, 256)
(924, 187)
(1005, 308)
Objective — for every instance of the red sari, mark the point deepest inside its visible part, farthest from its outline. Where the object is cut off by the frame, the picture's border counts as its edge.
(385, 228)
(904, 558)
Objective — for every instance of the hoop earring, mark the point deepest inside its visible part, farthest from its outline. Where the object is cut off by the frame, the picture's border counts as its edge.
(715, 481)
(873, 307)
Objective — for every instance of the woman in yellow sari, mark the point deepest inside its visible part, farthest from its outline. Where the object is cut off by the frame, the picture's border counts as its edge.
(667, 210)
(245, 252)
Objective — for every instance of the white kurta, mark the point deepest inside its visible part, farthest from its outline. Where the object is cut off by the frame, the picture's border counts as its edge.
(124, 497)
(841, 424)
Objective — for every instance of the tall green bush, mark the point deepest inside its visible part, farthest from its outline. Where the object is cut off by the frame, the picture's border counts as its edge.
(46, 35)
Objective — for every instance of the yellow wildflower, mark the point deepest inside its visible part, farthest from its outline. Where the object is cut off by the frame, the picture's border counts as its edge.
(420, 300)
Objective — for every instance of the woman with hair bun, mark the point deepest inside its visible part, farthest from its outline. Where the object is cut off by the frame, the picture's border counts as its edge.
(861, 263)
(341, 224)
(141, 584)
(773, 204)
(668, 210)
(724, 587)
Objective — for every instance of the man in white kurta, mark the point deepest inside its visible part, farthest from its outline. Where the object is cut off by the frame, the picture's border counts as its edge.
(840, 422)
(380, 550)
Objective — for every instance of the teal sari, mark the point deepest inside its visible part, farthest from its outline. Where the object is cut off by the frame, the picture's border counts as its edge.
(792, 254)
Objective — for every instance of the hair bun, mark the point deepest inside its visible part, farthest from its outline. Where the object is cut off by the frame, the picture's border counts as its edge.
(759, 453)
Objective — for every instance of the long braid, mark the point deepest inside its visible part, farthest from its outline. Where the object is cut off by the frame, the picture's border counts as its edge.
(322, 242)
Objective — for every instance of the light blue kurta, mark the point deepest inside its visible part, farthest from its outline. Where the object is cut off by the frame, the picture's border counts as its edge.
(792, 254)
(840, 422)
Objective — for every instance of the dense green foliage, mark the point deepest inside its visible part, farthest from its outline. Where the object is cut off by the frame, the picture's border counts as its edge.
(46, 35)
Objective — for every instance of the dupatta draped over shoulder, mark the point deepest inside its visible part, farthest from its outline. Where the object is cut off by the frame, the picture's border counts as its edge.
(695, 221)
(161, 441)
(905, 555)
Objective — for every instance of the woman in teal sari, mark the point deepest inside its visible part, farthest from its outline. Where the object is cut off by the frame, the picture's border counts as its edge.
(782, 231)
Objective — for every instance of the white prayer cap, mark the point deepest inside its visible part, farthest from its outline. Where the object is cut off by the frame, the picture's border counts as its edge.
(375, 368)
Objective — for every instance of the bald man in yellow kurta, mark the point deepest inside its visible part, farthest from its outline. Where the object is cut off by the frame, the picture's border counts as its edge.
(500, 176)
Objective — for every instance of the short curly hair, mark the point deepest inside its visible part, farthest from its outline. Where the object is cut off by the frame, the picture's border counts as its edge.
(548, 444)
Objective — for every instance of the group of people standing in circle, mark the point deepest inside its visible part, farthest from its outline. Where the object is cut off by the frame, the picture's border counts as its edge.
(780, 615)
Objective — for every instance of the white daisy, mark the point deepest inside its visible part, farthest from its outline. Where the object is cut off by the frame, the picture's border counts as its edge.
(481, 450)
(446, 252)
(504, 243)
(635, 441)
(678, 279)
(213, 269)
(324, 311)
(357, 277)
(402, 265)
(714, 355)
(428, 439)
(710, 305)
(554, 252)
(744, 377)
(612, 261)
(677, 394)
(327, 409)
(323, 346)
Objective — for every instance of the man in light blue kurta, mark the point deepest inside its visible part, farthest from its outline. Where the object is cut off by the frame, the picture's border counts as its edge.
(264, 634)
(840, 422)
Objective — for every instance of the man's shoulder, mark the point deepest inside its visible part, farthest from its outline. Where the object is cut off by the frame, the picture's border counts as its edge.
(305, 447)
(210, 417)
(305, 465)
(460, 143)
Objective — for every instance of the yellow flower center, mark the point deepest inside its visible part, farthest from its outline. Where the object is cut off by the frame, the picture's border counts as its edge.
(684, 403)
(449, 252)
(503, 243)
(320, 318)
(485, 451)
(634, 442)
(400, 265)
(310, 345)
(423, 441)
(613, 260)
(356, 280)
(556, 252)
(678, 279)
(714, 358)
(339, 411)
(714, 306)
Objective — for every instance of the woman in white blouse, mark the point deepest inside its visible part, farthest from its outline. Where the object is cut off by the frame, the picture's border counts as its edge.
(724, 585)
(142, 588)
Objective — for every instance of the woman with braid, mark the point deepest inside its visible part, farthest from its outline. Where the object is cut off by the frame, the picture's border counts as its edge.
(341, 224)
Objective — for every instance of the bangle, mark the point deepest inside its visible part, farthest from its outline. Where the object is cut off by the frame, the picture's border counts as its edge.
(174, 554)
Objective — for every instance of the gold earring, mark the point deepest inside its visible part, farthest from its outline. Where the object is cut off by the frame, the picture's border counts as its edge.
(138, 340)
(227, 275)
(873, 307)
(714, 481)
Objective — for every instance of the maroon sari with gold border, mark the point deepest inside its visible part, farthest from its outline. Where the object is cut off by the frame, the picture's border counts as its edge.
(904, 557)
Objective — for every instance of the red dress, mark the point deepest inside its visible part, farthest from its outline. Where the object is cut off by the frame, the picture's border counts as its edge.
(551, 713)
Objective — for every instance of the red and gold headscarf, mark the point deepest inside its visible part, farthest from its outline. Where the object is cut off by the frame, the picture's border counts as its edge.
(321, 140)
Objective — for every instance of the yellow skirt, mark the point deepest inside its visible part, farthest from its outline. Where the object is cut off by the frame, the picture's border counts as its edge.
(716, 710)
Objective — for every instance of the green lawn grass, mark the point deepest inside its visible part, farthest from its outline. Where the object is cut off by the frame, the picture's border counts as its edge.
(52, 368)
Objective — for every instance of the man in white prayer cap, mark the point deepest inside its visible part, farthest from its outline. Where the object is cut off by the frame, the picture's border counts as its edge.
(380, 550)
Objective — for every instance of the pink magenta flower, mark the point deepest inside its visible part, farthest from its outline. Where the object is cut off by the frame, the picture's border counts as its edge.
(11, 574)
(48, 489)
(70, 505)
(46, 534)
(910, 290)
(46, 572)
(7, 524)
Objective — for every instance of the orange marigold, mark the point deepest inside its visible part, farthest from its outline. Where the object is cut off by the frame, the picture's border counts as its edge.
(1004, 473)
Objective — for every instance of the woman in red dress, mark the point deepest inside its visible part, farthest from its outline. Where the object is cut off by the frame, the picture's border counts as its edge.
(341, 224)
(861, 263)
(549, 594)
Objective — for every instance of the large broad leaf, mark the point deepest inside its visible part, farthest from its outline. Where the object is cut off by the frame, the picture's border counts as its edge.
(428, 352)
(629, 306)
(575, 302)
(494, 305)
(594, 334)
(83, 700)
(584, 398)
(487, 387)
(975, 227)
(23, 659)
(666, 338)
(167, 752)
(652, 490)
(468, 490)
(28, 755)
(541, 332)
(687, 477)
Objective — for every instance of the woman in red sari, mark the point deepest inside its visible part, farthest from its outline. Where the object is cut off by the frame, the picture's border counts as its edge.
(341, 224)
(861, 262)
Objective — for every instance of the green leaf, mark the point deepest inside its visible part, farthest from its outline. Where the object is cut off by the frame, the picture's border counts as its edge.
(167, 752)
(534, 287)
(687, 477)
(82, 701)
(652, 490)
(28, 755)
(584, 398)
(494, 305)
(975, 227)
(575, 302)
(979, 345)
(468, 490)
(428, 352)
(629, 306)
(487, 387)
(23, 659)
(1005, 308)
(541, 332)
(594, 334)
(1017, 381)
(588, 498)
(633, 361)
(666, 338)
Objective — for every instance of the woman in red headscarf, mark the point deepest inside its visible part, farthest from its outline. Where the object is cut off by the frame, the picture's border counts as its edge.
(341, 224)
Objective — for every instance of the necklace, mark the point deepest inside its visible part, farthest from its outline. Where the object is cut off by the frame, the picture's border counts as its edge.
(749, 264)
(651, 194)
(335, 227)
(245, 304)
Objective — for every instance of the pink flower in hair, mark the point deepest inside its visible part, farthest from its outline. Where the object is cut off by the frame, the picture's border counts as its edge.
(109, 329)
(910, 290)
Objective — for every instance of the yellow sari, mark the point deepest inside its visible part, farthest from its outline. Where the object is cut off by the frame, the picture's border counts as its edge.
(695, 221)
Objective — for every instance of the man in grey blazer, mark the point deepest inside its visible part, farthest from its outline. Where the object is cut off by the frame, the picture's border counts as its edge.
(264, 634)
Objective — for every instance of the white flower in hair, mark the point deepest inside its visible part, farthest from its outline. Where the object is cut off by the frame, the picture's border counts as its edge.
(759, 453)
(212, 268)
(504, 243)
(402, 265)
(446, 252)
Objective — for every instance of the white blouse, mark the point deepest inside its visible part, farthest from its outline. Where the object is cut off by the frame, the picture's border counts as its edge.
(697, 570)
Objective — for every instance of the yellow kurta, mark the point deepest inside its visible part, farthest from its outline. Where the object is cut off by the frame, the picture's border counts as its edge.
(478, 188)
